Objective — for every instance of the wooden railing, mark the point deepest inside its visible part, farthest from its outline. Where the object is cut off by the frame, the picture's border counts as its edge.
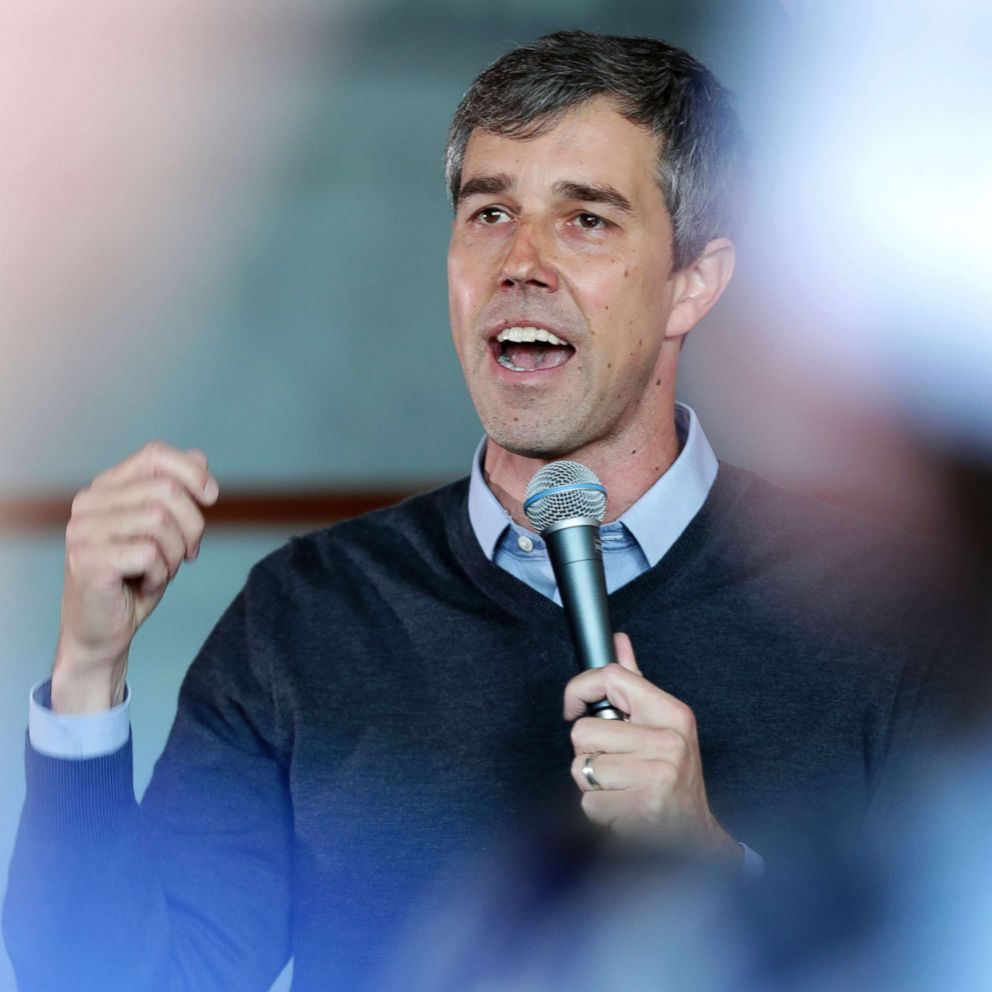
(236, 507)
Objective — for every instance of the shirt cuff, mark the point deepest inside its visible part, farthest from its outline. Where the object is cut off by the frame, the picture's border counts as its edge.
(753, 865)
(76, 735)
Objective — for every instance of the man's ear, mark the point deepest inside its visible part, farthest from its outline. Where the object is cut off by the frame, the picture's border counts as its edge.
(699, 285)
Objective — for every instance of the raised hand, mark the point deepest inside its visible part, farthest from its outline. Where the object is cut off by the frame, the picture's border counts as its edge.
(127, 536)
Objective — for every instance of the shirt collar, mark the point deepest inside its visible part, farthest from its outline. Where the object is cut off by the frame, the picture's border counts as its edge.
(485, 512)
(655, 521)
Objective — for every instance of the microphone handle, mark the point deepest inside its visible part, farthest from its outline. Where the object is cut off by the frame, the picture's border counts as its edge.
(577, 559)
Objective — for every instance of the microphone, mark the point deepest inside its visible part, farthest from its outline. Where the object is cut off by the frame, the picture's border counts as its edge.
(565, 503)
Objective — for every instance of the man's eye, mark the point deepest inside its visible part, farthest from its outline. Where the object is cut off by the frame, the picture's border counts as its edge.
(492, 215)
(590, 222)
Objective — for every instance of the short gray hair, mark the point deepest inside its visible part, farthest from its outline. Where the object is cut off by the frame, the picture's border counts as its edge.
(702, 149)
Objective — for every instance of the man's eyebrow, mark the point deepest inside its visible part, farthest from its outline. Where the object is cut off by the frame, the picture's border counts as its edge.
(593, 194)
(485, 186)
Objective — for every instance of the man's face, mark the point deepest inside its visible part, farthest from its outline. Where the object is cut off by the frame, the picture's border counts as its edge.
(566, 238)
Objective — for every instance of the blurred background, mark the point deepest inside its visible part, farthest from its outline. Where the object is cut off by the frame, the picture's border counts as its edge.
(224, 226)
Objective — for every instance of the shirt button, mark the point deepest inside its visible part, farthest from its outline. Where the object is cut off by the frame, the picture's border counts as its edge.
(525, 543)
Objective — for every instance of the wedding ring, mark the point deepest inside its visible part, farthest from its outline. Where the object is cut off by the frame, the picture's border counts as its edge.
(587, 771)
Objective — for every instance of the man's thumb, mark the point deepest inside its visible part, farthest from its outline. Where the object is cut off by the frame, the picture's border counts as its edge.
(625, 653)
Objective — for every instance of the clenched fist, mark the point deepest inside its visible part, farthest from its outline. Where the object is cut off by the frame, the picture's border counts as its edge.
(127, 536)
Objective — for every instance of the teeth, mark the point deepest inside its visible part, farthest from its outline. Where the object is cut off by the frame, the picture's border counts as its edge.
(523, 335)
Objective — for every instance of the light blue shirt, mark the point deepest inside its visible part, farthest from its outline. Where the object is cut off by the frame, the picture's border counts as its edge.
(632, 544)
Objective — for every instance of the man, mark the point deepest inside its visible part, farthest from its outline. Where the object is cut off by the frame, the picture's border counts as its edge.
(384, 695)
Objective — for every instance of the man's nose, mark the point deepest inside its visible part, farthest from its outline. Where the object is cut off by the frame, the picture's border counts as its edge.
(528, 261)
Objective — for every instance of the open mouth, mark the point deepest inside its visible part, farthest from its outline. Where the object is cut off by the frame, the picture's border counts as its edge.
(528, 349)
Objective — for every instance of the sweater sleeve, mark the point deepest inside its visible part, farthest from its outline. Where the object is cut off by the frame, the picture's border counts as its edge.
(191, 889)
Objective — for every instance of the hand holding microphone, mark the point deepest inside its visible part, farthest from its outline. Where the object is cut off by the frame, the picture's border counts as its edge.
(641, 773)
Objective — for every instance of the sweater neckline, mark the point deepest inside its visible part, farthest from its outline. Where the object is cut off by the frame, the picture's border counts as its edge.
(702, 535)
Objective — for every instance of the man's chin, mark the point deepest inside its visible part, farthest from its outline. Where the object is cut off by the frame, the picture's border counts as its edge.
(542, 445)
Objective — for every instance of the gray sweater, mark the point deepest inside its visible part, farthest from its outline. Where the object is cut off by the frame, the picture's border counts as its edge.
(381, 704)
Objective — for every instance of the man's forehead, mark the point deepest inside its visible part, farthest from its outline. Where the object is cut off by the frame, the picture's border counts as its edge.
(590, 146)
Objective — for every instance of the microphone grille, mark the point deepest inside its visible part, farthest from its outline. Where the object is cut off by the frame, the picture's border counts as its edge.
(563, 490)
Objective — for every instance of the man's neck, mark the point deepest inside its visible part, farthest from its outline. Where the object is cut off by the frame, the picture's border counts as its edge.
(627, 466)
